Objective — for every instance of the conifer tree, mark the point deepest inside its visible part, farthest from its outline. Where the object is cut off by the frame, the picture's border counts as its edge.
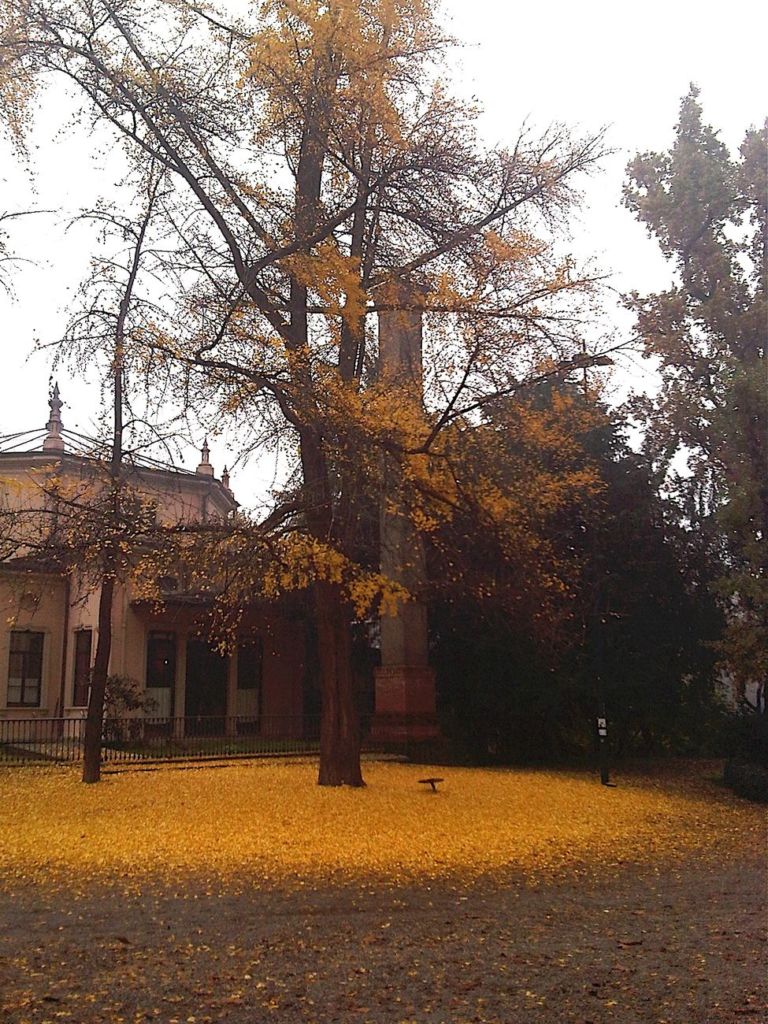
(709, 331)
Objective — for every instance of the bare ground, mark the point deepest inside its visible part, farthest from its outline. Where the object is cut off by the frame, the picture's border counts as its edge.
(680, 945)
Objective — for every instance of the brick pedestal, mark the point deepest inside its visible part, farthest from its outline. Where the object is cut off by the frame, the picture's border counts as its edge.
(405, 704)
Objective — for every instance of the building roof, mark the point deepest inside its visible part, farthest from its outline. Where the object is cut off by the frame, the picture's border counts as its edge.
(54, 442)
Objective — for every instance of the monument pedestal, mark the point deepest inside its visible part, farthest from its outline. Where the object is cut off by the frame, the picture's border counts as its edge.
(405, 704)
(405, 685)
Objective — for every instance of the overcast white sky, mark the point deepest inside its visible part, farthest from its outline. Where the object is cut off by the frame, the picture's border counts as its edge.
(587, 64)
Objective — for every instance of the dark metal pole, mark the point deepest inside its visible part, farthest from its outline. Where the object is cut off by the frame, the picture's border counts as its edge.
(602, 737)
(595, 622)
(598, 640)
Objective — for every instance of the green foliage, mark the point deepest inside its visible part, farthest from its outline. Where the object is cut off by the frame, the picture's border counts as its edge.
(124, 695)
(748, 780)
(631, 625)
(650, 619)
(708, 331)
(748, 739)
(125, 701)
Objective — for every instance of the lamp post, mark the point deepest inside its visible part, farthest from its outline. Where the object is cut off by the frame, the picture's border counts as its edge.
(602, 720)
(596, 645)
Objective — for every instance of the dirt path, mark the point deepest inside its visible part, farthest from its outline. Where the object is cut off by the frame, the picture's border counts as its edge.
(674, 947)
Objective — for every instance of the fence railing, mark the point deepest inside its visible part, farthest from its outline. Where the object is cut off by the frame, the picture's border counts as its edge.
(39, 740)
(34, 740)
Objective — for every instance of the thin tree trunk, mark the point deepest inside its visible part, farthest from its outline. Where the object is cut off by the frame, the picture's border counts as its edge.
(95, 719)
(352, 342)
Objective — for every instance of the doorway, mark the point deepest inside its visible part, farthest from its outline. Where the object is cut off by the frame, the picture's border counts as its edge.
(206, 689)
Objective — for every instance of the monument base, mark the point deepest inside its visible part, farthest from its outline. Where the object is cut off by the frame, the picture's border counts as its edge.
(403, 729)
(405, 705)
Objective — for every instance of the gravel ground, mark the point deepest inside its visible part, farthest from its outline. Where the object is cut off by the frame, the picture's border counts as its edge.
(671, 946)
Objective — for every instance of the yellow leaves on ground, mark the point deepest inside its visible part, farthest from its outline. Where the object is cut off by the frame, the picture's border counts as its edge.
(268, 821)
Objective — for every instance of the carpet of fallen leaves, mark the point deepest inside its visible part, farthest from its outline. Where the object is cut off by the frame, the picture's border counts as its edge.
(244, 893)
(269, 820)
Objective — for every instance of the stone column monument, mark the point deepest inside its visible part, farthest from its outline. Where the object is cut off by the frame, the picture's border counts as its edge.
(405, 684)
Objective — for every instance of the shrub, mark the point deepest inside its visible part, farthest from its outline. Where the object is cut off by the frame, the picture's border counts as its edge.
(748, 739)
(746, 770)
(123, 697)
(748, 780)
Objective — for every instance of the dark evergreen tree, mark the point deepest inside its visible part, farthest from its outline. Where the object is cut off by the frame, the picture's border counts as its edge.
(523, 672)
(708, 332)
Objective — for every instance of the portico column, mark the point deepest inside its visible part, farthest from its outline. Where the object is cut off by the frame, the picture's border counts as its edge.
(232, 693)
(180, 688)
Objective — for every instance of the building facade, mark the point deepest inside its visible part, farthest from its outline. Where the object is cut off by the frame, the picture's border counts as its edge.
(48, 630)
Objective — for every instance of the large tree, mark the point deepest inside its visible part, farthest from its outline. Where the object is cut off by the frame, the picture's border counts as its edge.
(708, 331)
(322, 173)
(600, 603)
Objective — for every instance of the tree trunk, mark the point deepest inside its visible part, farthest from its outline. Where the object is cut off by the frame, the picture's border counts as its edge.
(339, 725)
(340, 721)
(94, 721)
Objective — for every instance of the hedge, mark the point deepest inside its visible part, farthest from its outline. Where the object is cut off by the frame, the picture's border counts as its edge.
(748, 780)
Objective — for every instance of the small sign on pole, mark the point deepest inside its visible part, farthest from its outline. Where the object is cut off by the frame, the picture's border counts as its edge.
(602, 740)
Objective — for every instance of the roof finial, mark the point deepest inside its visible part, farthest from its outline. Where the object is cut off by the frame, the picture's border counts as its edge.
(225, 479)
(54, 442)
(205, 468)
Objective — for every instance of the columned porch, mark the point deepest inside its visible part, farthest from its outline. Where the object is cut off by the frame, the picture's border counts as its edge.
(262, 678)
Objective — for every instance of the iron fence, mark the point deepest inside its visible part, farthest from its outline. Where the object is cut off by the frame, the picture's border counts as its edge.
(36, 740)
(39, 740)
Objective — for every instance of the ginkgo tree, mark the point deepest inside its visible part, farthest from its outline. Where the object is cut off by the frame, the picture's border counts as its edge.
(320, 173)
(96, 527)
